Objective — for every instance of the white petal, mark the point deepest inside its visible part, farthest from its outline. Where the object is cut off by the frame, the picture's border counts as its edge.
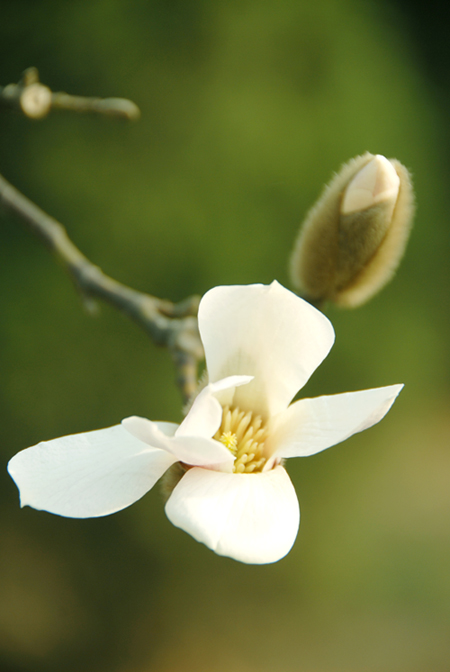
(205, 415)
(87, 475)
(142, 429)
(196, 450)
(311, 425)
(267, 332)
(253, 518)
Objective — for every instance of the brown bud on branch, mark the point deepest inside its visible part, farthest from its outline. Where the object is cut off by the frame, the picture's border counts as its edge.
(354, 237)
(35, 100)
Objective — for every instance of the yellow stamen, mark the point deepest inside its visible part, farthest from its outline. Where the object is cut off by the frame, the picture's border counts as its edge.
(244, 435)
(229, 440)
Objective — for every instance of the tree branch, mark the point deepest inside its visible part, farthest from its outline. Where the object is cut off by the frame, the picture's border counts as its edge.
(35, 100)
(171, 325)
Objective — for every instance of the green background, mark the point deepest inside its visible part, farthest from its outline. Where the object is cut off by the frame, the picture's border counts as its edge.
(247, 109)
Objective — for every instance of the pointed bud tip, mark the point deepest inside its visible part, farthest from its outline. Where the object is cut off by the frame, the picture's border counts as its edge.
(375, 183)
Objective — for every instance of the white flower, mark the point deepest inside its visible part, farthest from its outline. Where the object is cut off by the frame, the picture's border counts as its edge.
(262, 343)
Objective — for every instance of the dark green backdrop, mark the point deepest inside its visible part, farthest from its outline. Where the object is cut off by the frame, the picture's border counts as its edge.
(247, 108)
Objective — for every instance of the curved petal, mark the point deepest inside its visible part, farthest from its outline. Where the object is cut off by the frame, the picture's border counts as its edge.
(205, 415)
(253, 518)
(87, 475)
(267, 332)
(195, 450)
(311, 425)
(141, 429)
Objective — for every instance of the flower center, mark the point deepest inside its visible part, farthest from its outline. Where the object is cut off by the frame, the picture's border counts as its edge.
(243, 434)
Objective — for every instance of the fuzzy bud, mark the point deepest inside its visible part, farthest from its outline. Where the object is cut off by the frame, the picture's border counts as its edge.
(354, 237)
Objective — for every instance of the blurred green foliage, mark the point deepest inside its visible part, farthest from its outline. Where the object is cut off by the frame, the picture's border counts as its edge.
(247, 108)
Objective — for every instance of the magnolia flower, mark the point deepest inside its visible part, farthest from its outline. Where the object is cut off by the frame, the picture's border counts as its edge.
(261, 343)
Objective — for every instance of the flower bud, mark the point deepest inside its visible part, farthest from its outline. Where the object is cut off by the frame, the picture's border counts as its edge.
(36, 100)
(353, 238)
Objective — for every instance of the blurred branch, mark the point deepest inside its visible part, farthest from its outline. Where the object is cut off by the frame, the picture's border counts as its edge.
(171, 325)
(35, 100)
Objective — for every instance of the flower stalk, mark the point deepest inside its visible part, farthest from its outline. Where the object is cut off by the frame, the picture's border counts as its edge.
(167, 324)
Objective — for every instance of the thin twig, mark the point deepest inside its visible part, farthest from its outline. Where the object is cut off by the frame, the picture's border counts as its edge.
(36, 100)
(172, 325)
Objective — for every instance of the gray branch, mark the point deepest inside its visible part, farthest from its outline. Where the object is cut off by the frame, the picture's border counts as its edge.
(167, 324)
(35, 100)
